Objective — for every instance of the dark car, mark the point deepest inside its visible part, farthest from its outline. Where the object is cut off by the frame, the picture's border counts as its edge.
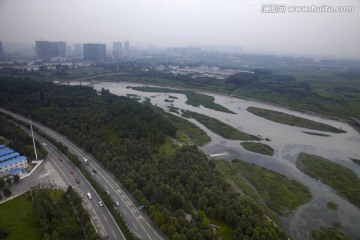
(77, 180)
(94, 171)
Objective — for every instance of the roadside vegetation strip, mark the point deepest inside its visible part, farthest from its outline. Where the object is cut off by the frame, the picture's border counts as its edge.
(328, 234)
(280, 193)
(102, 193)
(220, 128)
(342, 179)
(292, 120)
(195, 99)
(258, 148)
(60, 215)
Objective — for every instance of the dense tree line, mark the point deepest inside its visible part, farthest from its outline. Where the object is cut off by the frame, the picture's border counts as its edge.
(123, 135)
(55, 219)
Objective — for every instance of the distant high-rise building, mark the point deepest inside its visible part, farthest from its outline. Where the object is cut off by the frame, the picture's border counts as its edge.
(126, 46)
(79, 49)
(117, 49)
(1, 51)
(47, 50)
(94, 51)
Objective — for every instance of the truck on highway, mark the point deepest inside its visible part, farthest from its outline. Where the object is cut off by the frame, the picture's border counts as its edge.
(86, 161)
(89, 195)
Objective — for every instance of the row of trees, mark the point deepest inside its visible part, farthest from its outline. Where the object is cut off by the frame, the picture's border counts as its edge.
(124, 135)
(56, 219)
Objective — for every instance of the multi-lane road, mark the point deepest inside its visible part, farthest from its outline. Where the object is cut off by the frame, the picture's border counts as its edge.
(137, 221)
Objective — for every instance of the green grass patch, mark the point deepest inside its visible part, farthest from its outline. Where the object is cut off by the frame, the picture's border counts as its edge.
(181, 137)
(357, 161)
(342, 179)
(194, 99)
(316, 134)
(220, 128)
(168, 148)
(233, 175)
(291, 120)
(224, 230)
(328, 234)
(332, 206)
(280, 193)
(258, 148)
(18, 219)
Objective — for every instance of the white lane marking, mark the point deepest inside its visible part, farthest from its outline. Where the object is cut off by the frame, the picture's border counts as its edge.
(124, 211)
(105, 218)
(135, 226)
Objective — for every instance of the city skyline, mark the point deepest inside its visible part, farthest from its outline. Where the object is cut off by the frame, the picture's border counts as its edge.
(245, 24)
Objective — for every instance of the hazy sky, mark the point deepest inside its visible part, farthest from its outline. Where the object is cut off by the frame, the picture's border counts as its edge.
(186, 23)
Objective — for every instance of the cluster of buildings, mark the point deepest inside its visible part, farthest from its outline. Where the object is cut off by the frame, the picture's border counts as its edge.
(46, 50)
(11, 162)
(199, 72)
(60, 50)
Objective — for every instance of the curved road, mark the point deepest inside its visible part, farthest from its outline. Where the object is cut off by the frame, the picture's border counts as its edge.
(137, 221)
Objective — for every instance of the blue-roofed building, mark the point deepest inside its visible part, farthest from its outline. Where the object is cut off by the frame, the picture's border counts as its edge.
(11, 162)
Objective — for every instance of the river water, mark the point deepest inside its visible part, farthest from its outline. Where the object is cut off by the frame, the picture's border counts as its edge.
(287, 142)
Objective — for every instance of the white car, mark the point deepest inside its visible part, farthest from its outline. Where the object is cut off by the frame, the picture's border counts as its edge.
(117, 203)
(100, 204)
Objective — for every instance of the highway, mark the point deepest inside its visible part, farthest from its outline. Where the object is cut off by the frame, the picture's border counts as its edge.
(137, 220)
(100, 216)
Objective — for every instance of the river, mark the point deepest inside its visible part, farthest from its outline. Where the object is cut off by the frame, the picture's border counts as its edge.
(288, 142)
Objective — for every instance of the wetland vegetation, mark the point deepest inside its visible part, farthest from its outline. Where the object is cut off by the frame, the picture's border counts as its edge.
(220, 128)
(258, 148)
(342, 179)
(291, 120)
(194, 99)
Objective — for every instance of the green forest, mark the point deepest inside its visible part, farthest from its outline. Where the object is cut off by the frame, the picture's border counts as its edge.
(124, 136)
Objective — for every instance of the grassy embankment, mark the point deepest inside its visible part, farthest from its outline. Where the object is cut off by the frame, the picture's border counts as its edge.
(328, 234)
(291, 120)
(280, 193)
(194, 99)
(258, 148)
(220, 128)
(18, 219)
(342, 179)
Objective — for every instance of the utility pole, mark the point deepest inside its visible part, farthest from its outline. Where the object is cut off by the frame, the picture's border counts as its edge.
(32, 134)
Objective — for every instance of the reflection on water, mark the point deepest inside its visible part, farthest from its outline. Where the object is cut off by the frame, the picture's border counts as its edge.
(287, 142)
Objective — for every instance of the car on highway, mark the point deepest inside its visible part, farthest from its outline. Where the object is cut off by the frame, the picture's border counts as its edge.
(108, 192)
(117, 203)
(60, 159)
(100, 204)
(77, 180)
(71, 171)
(94, 171)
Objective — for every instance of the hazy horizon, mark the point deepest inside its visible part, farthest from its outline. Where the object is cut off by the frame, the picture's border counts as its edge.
(168, 23)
